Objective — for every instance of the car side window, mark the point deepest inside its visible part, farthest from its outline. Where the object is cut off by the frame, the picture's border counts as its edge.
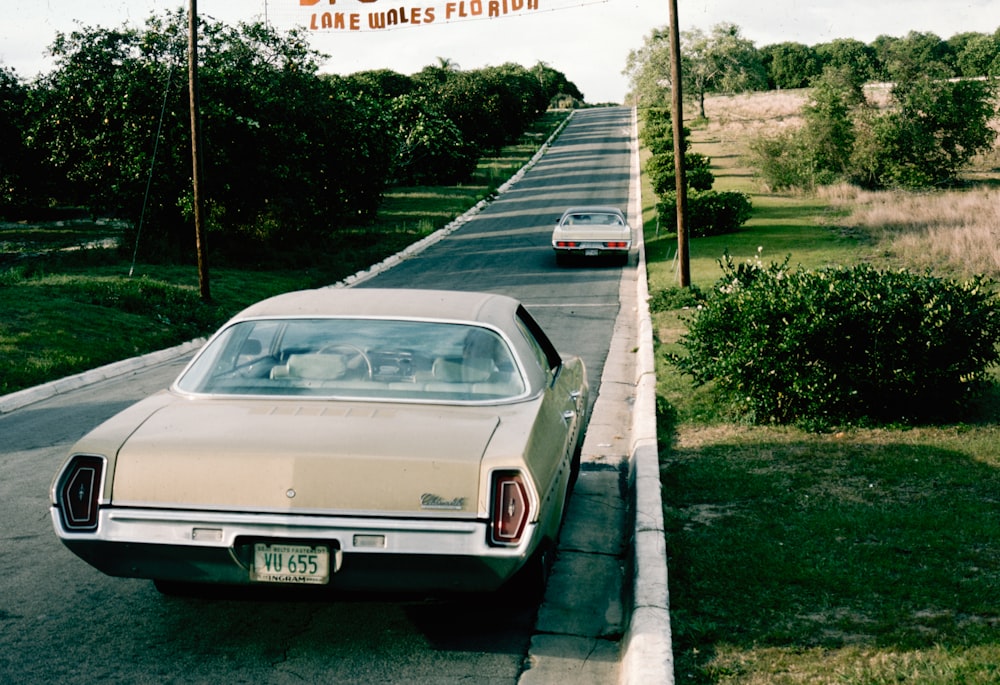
(545, 351)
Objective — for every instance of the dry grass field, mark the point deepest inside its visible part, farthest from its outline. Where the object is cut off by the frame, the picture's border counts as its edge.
(955, 232)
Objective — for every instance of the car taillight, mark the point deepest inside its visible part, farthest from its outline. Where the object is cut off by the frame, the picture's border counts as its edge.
(618, 244)
(567, 243)
(511, 508)
(78, 492)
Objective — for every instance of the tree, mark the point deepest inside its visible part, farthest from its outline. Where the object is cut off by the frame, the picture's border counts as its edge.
(918, 54)
(829, 133)
(979, 56)
(291, 157)
(648, 71)
(934, 128)
(20, 175)
(438, 73)
(522, 97)
(882, 46)
(382, 83)
(430, 149)
(284, 155)
(94, 118)
(721, 62)
(929, 131)
(288, 159)
(555, 85)
(490, 106)
(790, 65)
(850, 56)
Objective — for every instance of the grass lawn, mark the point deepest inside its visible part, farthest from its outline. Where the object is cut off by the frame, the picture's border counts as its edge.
(862, 556)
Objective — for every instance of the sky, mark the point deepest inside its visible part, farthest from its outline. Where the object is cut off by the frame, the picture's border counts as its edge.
(587, 40)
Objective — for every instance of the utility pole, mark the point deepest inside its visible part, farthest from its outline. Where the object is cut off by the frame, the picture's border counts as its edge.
(680, 173)
(196, 168)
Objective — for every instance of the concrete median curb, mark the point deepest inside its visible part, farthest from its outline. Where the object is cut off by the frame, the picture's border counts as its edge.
(23, 398)
(647, 652)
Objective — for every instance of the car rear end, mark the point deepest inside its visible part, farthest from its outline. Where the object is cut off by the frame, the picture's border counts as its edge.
(314, 501)
(592, 232)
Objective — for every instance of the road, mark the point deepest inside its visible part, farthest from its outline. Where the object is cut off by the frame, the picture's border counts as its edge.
(506, 248)
(62, 621)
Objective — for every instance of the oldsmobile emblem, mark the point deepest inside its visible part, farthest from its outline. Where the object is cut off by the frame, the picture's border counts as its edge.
(432, 501)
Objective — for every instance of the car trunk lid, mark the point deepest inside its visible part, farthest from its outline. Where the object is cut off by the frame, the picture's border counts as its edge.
(352, 458)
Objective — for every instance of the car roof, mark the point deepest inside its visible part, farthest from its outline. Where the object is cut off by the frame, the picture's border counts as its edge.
(594, 209)
(404, 303)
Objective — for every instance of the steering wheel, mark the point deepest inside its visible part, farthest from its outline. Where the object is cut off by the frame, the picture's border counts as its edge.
(355, 356)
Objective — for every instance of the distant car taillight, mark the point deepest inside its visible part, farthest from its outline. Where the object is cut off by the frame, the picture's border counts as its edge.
(567, 243)
(78, 492)
(616, 245)
(511, 508)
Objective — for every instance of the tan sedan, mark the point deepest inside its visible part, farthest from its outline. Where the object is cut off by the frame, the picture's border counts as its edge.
(592, 231)
(355, 438)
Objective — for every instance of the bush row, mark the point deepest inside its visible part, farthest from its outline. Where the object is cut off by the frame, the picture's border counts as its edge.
(290, 156)
(844, 345)
(708, 212)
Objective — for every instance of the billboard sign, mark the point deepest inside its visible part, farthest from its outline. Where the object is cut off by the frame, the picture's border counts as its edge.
(379, 15)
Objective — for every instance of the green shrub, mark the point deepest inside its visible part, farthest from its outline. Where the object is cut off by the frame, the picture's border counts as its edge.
(782, 160)
(657, 132)
(709, 212)
(791, 159)
(663, 176)
(843, 345)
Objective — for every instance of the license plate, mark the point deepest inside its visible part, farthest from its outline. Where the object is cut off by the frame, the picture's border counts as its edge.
(591, 253)
(290, 564)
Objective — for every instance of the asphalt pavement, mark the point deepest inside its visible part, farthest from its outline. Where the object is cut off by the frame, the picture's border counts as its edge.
(605, 616)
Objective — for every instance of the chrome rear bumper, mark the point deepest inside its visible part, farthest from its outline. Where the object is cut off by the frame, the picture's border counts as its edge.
(377, 553)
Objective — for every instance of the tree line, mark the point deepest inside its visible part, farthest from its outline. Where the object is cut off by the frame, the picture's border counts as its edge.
(723, 61)
(289, 153)
(937, 116)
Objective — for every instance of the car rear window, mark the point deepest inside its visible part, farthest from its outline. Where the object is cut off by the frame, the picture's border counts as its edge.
(359, 358)
(593, 219)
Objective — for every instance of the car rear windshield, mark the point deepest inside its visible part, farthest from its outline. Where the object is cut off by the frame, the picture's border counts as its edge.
(359, 358)
(593, 219)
